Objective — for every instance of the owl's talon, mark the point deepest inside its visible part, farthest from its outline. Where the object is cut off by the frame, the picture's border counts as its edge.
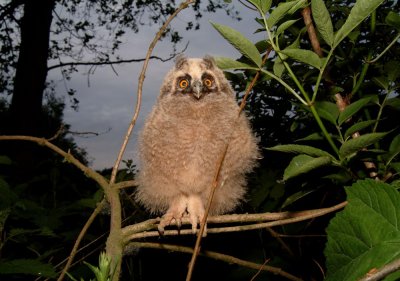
(196, 213)
(175, 212)
(160, 230)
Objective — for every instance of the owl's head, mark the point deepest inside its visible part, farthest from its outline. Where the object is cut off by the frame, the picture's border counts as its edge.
(195, 78)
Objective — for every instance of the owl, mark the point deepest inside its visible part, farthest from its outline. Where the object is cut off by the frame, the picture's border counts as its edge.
(184, 136)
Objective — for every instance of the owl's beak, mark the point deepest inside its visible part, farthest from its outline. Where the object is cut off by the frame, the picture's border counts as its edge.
(197, 88)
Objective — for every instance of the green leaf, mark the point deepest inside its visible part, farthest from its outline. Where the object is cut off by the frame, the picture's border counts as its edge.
(352, 109)
(4, 160)
(279, 67)
(296, 196)
(392, 69)
(395, 166)
(394, 149)
(359, 12)
(382, 82)
(228, 63)
(262, 5)
(284, 26)
(305, 56)
(8, 196)
(358, 127)
(299, 5)
(366, 234)
(300, 149)
(302, 164)
(279, 12)
(322, 20)
(27, 266)
(393, 102)
(296, 43)
(393, 19)
(353, 145)
(312, 137)
(240, 42)
(328, 111)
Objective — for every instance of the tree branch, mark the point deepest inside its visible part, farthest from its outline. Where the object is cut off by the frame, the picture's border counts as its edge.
(141, 230)
(341, 102)
(95, 63)
(69, 157)
(217, 172)
(217, 256)
(114, 245)
(82, 233)
(378, 274)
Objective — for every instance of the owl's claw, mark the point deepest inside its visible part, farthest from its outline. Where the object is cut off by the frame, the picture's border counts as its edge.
(175, 213)
(196, 213)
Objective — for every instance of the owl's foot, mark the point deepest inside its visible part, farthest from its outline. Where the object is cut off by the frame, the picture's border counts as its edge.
(196, 211)
(175, 212)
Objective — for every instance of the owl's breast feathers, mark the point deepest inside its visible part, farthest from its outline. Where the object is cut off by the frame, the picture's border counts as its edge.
(183, 139)
(189, 141)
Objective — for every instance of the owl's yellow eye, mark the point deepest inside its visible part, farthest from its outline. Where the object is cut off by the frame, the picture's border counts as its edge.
(208, 82)
(183, 84)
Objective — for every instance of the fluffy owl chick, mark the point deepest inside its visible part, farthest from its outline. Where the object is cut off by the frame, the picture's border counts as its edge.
(183, 138)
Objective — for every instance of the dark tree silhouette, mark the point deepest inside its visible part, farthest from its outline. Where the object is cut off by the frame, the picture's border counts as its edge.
(34, 32)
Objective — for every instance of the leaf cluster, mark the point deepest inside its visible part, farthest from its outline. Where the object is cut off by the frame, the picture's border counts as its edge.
(327, 103)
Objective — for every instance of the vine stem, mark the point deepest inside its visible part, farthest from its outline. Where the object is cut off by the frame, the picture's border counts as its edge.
(309, 102)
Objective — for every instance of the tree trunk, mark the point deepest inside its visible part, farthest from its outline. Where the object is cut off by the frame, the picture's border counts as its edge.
(31, 72)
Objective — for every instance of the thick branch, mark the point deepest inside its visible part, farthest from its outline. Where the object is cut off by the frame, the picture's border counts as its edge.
(312, 34)
(69, 157)
(217, 256)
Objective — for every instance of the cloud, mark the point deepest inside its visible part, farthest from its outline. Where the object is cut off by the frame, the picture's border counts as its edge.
(109, 101)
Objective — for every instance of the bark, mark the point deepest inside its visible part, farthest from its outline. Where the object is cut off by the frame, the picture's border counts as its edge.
(31, 72)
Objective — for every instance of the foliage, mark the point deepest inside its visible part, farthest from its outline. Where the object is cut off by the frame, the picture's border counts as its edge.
(366, 234)
(339, 103)
(326, 118)
(102, 272)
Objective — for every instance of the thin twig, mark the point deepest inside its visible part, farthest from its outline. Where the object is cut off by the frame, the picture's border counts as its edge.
(217, 256)
(277, 236)
(216, 176)
(378, 274)
(113, 245)
(58, 133)
(82, 233)
(125, 184)
(97, 63)
(259, 271)
(159, 34)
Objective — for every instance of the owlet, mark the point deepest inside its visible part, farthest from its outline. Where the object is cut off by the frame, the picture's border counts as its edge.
(183, 138)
